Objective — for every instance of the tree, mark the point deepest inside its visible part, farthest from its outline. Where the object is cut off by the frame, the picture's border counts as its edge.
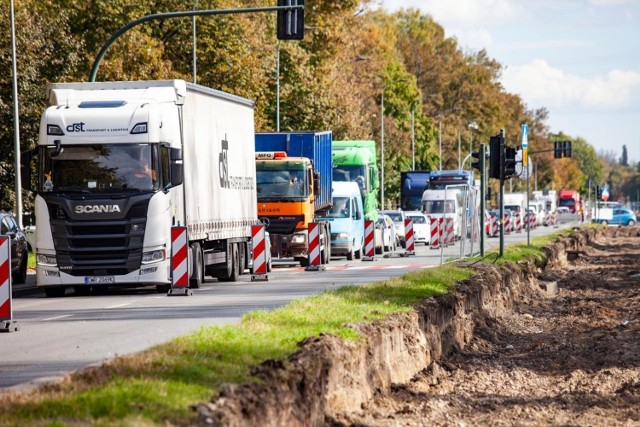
(624, 159)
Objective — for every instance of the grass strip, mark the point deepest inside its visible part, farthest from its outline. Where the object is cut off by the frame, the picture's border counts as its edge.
(157, 386)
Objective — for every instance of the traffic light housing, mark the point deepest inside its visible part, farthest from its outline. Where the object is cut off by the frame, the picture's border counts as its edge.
(509, 162)
(561, 149)
(494, 156)
(291, 22)
(476, 164)
(557, 150)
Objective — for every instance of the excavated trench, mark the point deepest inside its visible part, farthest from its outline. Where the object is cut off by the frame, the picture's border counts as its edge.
(463, 357)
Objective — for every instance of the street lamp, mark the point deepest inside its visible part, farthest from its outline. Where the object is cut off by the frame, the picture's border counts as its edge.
(16, 119)
(382, 139)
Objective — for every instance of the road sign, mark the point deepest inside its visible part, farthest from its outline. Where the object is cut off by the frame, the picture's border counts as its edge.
(520, 166)
(525, 144)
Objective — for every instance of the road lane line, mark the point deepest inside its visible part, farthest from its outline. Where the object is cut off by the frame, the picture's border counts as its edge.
(119, 305)
(57, 317)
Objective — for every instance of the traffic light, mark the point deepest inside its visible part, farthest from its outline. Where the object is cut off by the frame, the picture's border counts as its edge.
(494, 156)
(509, 162)
(557, 150)
(291, 22)
(561, 149)
(476, 164)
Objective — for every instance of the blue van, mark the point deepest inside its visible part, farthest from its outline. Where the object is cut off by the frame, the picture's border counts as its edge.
(347, 220)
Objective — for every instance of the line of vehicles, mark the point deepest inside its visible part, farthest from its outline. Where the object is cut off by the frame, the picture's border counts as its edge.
(118, 163)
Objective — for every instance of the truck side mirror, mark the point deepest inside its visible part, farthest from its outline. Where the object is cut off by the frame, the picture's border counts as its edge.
(375, 179)
(176, 166)
(316, 183)
(25, 169)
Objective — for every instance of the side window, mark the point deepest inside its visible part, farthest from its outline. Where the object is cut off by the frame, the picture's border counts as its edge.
(13, 225)
(4, 227)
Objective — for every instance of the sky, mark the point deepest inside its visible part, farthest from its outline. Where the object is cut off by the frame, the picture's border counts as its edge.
(580, 59)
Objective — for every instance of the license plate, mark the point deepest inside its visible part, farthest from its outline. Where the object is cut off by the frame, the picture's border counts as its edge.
(99, 280)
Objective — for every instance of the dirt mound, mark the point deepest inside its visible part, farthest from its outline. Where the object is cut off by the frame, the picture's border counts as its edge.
(498, 349)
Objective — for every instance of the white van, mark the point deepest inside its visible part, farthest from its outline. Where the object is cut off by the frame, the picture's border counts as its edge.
(347, 220)
(434, 205)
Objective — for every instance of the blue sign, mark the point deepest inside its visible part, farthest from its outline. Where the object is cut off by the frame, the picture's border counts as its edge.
(525, 135)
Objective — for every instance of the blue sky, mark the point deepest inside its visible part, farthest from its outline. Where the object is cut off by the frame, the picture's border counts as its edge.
(578, 58)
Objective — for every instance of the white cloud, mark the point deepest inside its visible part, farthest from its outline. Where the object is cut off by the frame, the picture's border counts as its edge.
(541, 84)
(463, 12)
(609, 2)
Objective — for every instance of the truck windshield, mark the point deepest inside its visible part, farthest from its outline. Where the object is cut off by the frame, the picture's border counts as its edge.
(282, 184)
(437, 206)
(355, 174)
(100, 168)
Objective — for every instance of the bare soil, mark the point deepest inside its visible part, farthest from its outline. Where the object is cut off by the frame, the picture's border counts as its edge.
(498, 350)
(568, 359)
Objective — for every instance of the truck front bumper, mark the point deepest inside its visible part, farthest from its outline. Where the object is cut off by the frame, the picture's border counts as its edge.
(158, 273)
(289, 245)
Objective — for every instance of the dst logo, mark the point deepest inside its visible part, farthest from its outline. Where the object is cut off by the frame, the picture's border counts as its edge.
(224, 164)
(76, 127)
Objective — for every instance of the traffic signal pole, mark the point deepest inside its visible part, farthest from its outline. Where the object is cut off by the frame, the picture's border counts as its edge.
(502, 139)
(483, 180)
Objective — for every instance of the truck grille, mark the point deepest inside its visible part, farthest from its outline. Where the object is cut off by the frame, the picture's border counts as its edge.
(99, 247)
(282, 224)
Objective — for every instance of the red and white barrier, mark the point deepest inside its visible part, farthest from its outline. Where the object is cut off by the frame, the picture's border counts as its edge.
(410, 248)
(435, 233)
(314, 248)
(259, 269)
(369, 241)
(493, 226)
(507, 223)
(6, 313)
(518, 222)
(451, 237)
(179, 262)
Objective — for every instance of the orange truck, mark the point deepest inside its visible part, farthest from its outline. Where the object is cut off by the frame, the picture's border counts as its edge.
(294, 179)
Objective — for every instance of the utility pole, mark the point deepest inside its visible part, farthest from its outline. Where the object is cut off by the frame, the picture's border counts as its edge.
(16, 121)
(483, 180)
(502, 138)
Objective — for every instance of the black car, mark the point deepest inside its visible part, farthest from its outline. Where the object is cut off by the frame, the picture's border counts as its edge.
(19, 252)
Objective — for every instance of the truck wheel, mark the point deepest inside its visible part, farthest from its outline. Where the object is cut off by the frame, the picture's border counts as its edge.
(54, 291)
(234, 272)
(350, 254)
(304, 262)
(197, 270)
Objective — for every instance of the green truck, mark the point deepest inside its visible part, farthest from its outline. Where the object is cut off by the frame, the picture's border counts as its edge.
(356, 161)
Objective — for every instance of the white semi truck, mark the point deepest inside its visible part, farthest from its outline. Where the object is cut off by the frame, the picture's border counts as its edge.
(119, 163)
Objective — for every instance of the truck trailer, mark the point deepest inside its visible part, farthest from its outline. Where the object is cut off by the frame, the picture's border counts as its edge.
(120, 163)
(294, 177)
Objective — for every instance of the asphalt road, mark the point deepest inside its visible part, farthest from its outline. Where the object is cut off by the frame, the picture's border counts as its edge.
(60, 335)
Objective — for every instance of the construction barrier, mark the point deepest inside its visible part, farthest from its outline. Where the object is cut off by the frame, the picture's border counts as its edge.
(410, 248)
(451, 237)
(258, 245)
(518, 222)
(493, 226)
(7, 324)
(314, 248)
(507, 223)
(435, 233)
(369, 241)
(179, 262)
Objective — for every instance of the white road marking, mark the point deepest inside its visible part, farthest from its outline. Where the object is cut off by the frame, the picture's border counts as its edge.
(57, 317)
(119, 305)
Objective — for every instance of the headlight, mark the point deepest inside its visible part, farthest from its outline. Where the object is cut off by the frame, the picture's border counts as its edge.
(343, 236)
(299, 238)
(153, 256)
(44, 259)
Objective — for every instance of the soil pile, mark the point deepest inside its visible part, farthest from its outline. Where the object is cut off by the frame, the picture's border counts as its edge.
(502, 349)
